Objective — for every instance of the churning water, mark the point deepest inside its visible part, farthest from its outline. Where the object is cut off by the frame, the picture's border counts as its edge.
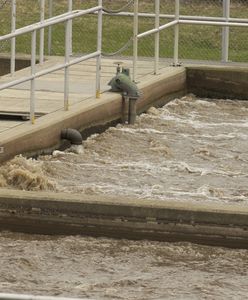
(191, 149)
(120, 269)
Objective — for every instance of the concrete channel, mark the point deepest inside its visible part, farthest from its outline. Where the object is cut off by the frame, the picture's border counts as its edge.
(56, 213)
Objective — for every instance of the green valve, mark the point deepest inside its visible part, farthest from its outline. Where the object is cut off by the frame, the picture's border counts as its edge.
(122, 83)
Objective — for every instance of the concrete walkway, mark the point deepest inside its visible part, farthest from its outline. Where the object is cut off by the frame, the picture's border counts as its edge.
(85, 110)
(50, 88)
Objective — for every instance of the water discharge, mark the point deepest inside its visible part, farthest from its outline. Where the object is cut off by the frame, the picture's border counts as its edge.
(191, 149)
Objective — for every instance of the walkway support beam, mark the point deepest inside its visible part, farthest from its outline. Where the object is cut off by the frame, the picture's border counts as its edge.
(99, 49)
(225, 31)
(42, 18)
(32, 90)
(176, 32)
(13, 40)
(50, 14)
(67, 60)
(70, 7)
(157, 35)
(135, 38)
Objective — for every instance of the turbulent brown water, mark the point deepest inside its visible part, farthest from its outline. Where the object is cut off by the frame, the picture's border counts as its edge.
(120, 269)
(191, 149)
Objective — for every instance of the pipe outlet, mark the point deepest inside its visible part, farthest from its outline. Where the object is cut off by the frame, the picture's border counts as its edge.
(72, 135)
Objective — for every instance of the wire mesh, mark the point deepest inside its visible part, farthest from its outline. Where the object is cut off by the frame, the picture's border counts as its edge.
(238, 51)
(195, 41)
(5, 24)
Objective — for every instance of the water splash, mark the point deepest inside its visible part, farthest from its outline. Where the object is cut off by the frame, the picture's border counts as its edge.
(169, 153)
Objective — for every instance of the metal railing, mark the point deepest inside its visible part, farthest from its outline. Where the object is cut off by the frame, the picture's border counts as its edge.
(176, 20)
(64, 18)
(6, 296)
(224, 22)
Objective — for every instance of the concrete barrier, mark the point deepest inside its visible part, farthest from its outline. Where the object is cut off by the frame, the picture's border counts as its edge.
(120, 217)
(21, 62)
(218, 82)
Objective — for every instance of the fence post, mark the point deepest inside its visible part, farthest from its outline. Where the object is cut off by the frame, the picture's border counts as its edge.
(67, 59)
(32, 90)
(50, 14)
(135, 38)
(157, 35)
(99, 48)
(225, 31)
(42, 18)
(176, 33)
(70, 27)
(13, 40)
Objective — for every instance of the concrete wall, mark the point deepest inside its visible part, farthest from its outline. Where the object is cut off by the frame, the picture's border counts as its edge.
(218, 82)
(119, 217)
(21, 62)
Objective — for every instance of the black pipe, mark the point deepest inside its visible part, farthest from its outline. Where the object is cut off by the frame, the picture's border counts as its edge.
(73, 135)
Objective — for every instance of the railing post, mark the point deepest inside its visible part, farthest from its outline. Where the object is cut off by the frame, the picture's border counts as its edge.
(225, 31)
(99, 48)
(42, 18)
(50, 14)
(176, 33)
(67, 59)
(157, 23)
(13, 40)
(135, 38)
(32, 90)
(70, 5)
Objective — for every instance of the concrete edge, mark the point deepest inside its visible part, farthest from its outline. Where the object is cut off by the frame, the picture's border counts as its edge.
(225, 82)
(114, 216)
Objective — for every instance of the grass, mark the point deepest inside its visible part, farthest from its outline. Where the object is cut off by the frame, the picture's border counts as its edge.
(196, 42)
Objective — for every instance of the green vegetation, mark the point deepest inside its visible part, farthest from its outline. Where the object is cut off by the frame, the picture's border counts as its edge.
(196, 42)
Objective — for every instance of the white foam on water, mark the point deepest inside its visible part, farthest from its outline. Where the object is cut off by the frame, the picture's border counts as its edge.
(191, 143)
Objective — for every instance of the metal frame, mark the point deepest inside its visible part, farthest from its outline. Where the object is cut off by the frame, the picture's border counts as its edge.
(42, 32)
(13, 40)
(5, 296)
(67, 17)
(225, 22)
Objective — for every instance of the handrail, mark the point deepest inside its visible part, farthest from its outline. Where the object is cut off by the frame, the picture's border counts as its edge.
(49, 22)
(182, 17)
(48, 70)
(214, 23)
(224, 22)
(155, 30)
(5, 296)
(64, 18)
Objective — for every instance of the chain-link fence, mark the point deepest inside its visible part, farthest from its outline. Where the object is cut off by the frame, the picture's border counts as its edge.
(198, 42)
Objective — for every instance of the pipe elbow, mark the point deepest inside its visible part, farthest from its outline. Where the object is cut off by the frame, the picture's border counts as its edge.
(72, 135)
